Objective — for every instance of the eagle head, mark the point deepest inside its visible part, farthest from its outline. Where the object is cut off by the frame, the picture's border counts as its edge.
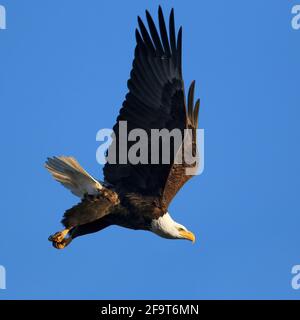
(166, 227)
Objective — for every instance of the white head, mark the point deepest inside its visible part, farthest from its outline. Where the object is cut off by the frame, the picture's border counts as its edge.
(166, 227)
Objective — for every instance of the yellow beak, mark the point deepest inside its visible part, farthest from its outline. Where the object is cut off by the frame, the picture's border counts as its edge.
(188, 235)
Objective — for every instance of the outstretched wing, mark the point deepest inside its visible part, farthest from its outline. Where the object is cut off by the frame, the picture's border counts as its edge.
(155, 100)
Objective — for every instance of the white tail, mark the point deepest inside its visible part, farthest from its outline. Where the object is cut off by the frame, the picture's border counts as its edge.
(70, 174)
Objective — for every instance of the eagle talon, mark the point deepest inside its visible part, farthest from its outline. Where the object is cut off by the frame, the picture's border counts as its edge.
(62, 244)
(58, 245)
(58, 236)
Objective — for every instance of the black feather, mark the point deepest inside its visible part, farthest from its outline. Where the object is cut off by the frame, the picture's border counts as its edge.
(154, 34)
(191, 100)
(179, 51)
(146, 37)
(173, 36)
(163, 32)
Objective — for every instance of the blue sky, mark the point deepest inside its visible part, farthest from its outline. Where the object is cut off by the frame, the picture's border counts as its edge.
(63, 72)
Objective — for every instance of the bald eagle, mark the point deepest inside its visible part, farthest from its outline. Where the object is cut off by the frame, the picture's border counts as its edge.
(137, 196)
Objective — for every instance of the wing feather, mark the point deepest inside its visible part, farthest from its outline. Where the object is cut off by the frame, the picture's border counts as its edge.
(163, 32)
(154, 34)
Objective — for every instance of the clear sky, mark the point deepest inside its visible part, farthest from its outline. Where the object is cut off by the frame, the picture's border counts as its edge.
(63, 72)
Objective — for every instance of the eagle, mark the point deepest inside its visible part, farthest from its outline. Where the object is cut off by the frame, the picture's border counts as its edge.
(137, 196)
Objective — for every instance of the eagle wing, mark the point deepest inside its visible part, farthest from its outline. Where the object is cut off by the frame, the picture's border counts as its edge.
(156, 100)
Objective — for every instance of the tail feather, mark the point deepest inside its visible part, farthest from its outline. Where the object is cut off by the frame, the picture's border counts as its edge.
(70, 174)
